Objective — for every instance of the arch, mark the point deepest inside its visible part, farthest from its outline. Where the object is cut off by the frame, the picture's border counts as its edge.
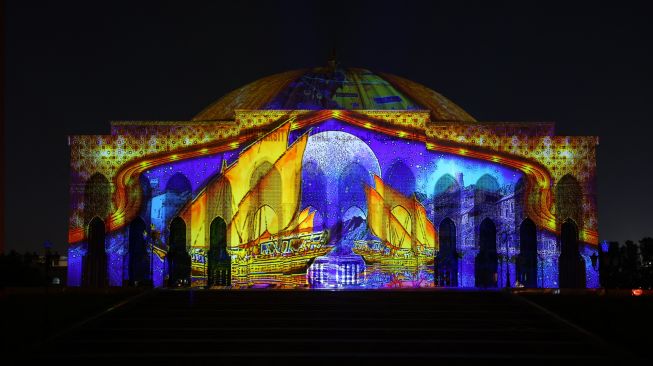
(400, 177)
(446, 197)
(486, 272)
(571, 270)
(270, 193)
(569, 200)
(265, 219)
(179, 183)
(219, 269)
(95, 262)
(179, 262)
(520, 186)
(259, 172)
(487, 183)
(354, 211)
(352, 217)
(220, 200)
(519, 201)
(146, 198)
(139, 261)
(446, 261)
(446, 184)
(486, 195)
(314, 187)
(97, 197)
(146, 188)
(351, 190)
(527, 259)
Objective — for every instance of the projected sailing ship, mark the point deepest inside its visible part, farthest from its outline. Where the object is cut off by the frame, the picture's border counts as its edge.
(258, 230)
(407, 236)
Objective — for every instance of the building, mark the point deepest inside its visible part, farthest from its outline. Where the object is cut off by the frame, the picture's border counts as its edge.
(332, 177)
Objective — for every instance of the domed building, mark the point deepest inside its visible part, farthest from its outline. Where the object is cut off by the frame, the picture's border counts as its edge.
(333, 178)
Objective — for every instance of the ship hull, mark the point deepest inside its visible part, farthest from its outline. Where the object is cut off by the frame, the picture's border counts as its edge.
(373, 257)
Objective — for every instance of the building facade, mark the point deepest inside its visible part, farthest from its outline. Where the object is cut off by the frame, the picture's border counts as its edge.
(333, 178)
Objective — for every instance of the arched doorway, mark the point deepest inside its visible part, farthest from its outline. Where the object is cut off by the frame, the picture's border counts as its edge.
(314, 188)
(486, 260)
(446, 261)
(97, 197)
(139, 260)
(179, 183)
(446, 197)
(400, 177)
(569, 200)
(571, 271)
(179, 263)
(527, 259)
(266, 186)
(95, 261)
(351, 191)
(219, 260)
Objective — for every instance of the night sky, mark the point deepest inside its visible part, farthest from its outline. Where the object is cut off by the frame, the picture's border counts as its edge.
(71, 67)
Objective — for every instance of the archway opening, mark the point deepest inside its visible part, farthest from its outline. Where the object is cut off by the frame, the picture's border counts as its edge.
(219, 260)
(571, 271)
(95, 261)
(314, 188)
(179, 263)
(400, 177)
(179, 183)
(569, 200)
(446, 196)
(351, 191)
(97, 197)
(352, 225)
(139, 261)
(266, 185)
(446, 261)
(527, 259)
(486, 260)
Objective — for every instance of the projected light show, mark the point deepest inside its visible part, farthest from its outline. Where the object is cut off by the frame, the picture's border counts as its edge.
(332, 178)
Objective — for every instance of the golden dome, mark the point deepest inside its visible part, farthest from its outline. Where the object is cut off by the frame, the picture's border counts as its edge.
(328, 88)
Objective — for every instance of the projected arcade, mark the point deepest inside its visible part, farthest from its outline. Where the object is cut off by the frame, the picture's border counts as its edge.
(333, 178)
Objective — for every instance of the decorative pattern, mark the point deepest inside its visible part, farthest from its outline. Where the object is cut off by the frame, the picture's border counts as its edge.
(259, 193)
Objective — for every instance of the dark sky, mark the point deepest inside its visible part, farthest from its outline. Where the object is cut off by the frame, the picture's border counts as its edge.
(71, 67)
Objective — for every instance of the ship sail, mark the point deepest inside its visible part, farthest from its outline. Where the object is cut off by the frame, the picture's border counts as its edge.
(256, 208)
(400, 221)
(376, 217)
(424, 229)
(227, 195)
(269, 148)
(303, 223)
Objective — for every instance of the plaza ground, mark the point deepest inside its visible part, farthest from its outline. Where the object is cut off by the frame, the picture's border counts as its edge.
(454, 325)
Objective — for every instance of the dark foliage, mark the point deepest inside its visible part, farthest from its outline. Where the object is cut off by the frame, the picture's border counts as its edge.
(28, 269)
(627, 266)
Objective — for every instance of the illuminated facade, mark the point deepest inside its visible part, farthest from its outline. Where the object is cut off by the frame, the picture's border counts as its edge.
(333, 178)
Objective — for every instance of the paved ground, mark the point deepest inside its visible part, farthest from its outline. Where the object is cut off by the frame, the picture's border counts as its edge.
(273, 327)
